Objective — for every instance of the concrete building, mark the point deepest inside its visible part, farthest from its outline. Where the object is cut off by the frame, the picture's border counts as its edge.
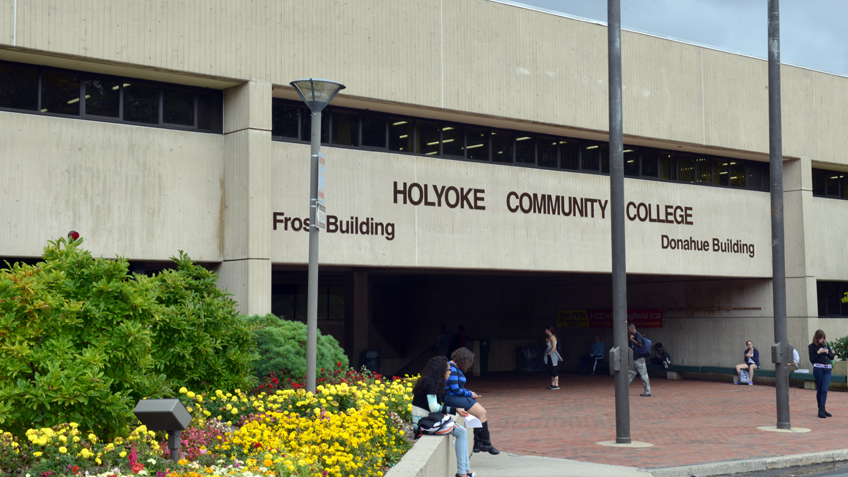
(467, 168)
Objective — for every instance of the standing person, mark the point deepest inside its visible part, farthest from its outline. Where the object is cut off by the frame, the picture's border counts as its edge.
(751, 362)
(552, 357)
(595, 354)
(428, 393)
(641, 351)
(820, 356)
(458, 396)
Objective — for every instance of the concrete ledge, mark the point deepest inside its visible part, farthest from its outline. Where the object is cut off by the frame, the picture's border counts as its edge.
(751, 465)
(674, 375)
(431, 456)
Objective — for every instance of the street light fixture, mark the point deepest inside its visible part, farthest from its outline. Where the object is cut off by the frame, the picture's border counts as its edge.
(317, 94)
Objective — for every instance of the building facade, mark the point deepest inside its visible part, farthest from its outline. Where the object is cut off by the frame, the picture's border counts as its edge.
(467, 168)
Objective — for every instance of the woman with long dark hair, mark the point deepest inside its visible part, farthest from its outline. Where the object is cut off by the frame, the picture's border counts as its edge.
(427, 397)
(820, 356)
(552, 357)
(458, 396)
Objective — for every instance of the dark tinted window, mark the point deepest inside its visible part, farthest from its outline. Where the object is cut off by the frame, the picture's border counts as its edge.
(141, 103)
(668, 166)
(178, 107)
(631, 162)
(453, 140)
(819, 182)
(570, 151)
(685, 168)
(525, 150)
(590, 157)
(707, 170)
(18, 87)
(650, 163)
(210, 112)
(102, 97)
(428, 138)
(603, 151)
(832, 184)
(284, 120)
(478, 144)
(546, 151)
(503, 146)
(756, 179)
(723, 172)
(60, 92)
(737, 174)
(345, 128)
(400, 135)
(373, 130)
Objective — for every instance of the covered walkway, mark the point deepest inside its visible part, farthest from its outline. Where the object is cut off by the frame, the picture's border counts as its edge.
(687, 421)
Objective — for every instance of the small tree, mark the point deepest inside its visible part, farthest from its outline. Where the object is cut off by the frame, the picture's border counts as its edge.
(282, 348)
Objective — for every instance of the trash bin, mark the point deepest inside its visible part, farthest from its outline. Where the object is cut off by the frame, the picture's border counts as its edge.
(485, 346)
(371, 360)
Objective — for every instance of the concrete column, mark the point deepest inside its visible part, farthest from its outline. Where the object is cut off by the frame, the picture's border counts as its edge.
(801, 304)
(357, 319)
(246, 208)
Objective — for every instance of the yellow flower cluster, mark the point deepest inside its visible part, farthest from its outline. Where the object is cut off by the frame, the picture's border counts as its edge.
(66, 439)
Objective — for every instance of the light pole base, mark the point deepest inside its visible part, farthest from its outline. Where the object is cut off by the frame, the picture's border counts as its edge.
(793, 430)
(629, 443)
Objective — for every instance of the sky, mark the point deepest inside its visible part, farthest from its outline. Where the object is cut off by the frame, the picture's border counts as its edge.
(809, 29)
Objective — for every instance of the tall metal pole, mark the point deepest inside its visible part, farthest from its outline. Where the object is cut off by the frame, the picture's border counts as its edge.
(619, 270)
(312, 280)
(777, 250)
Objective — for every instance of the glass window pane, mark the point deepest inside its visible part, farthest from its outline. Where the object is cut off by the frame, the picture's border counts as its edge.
(844, 308)
(834, 303)
(525, 149)
(478, 144)
(668, 166)
(428, 138)
(723, 172)
(453, 140)
(819, 182)
(400, 135)
(631, 162)
(345, 128)
(284, 120)
(686, 168)
(547, 152)
(302, 305)
(754, 179)
(603, 151)
(832, 183)
(570, 155)
(590, 157)
(141, 103)
(373, 130)
(337, 303)
(282, 301)
(306, 126)
(650, 163)
(102, 97)
(18, 87)
(210, 112)
(178, 107)
(821, 295)
(60, 92)
(843, 184)
(503, 146)
(737, 173)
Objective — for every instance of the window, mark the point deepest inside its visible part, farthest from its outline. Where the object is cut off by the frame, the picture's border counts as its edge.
(525, 150)
(503, 147)
(737, 174)
(819, 182)
(631, 162)
(830, 296)
(289, 302)
(427, 138)
(650, 163)
(685, 168)
(453, 140)
(373, 130)
(590, 157)
(97, 97)
(603, 151)
(284, 122)
(400, 135)
(345, 127)
(478, 144)
(547, 152)
(668, 166)
(833, 181)
(570, 155)
(306, 126)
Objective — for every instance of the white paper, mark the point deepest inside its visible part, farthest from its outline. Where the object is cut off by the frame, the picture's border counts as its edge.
(472, 422)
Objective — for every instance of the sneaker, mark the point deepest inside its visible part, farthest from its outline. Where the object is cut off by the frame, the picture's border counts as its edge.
(553, 387)
(750, 384)
(550, 386)
(646, 395)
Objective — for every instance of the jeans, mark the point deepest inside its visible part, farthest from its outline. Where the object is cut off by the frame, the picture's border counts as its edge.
(462, 464)
(822, 377)
(642, 370)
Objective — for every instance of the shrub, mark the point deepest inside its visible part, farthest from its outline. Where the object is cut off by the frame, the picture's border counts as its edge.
(200, 340)
(75, 341)
(282, 348)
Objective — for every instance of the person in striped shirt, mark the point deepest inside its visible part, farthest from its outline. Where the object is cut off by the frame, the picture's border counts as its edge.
(458, 396)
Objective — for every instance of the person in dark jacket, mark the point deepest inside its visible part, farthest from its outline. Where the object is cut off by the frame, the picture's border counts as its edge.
(820, 356)
(750, 363)
(458, 396)
(641, 352)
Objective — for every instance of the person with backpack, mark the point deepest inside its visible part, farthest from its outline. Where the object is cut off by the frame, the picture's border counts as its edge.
(428, 396)
(552, 357)
(641, 350)
(752, 362)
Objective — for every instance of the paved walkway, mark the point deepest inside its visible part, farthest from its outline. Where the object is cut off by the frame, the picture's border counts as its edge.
(687, 421)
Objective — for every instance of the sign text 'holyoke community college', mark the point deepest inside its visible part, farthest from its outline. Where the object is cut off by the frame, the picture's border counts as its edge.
(473, 198)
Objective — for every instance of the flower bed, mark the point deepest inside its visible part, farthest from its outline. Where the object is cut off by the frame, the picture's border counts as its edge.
(352, 426)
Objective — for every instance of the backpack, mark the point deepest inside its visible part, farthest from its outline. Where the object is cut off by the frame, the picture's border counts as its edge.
(436, 424)
(646, 349)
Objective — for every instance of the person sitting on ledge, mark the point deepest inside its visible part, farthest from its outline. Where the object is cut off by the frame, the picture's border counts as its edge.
(595, 354)
(752, 362)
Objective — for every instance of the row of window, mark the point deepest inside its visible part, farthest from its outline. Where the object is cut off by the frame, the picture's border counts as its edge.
(108, 98)
(290, 302)
(384, 132)
(831, 184)
(830, 296)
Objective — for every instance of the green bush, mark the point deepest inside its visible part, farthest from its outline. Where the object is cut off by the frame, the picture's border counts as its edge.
(75, 342)
(282, 348)
(200, 341)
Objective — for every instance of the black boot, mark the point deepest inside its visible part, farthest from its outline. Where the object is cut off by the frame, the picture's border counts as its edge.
(477, 439)
(826, 413)
(486, 444)
(822, 414)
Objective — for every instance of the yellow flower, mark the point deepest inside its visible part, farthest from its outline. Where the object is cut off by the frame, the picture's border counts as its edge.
(123, 454)
(38, 454)
(190, 395)
(199, 399)
(183, 390)
(63, 450)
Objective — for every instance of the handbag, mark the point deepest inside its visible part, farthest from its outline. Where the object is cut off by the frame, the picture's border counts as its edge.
(436, 424)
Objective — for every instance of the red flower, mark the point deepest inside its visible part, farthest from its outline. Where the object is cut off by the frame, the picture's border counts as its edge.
(257, 445)
(137, 467)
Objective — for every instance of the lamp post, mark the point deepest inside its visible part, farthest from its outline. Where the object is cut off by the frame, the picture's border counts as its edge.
(317, 94)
